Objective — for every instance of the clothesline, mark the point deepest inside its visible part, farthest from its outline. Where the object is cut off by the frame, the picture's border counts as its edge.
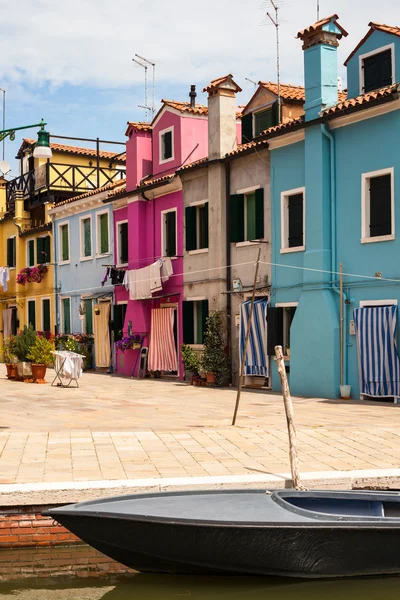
(142, 283)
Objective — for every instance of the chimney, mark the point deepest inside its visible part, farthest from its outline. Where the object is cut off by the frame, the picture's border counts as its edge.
(222, 130)
(320, 42)
(192, 96)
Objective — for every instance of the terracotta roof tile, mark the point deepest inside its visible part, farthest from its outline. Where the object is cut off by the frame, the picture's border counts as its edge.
(117, 191)
(256, 144)
(215, 83)
(26, 143)
(319, 24)
(195, 163)
(288, 92)
(139, 126)
(37, 229)
(155, 180)
(109, 186)
(284, 126)
(198, 109)
(391, 29)
(362, 100)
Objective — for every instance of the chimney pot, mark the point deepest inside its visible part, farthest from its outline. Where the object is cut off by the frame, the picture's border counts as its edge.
(192, 96)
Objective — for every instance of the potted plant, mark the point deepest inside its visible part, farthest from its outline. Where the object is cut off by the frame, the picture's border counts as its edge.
(9, 357)
(191, 362)
(41, 355)
(214, 361)
(23, 343)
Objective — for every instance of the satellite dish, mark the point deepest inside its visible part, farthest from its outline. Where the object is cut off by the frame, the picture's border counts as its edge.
(4, 167)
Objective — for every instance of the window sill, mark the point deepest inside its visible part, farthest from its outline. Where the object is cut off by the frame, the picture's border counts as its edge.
(103, 255)
(12, 268)
(64, 262)
(167, 160)
(121, 265)
(381, 238)
(83, 258)
(295, 249)
(199, 251)
(244, 244)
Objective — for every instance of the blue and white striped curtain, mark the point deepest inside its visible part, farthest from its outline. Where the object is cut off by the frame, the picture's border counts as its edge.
(378, 361)
(256, 358)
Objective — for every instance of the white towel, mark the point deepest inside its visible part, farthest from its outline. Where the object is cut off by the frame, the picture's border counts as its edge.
(155, 275)
(166, 269)
(143, 283)
(130, 283)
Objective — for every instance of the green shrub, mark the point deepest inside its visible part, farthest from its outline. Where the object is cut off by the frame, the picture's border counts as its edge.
(9, 350)
(214, 358)
(190, 359)
(24, 342)
(41, 352)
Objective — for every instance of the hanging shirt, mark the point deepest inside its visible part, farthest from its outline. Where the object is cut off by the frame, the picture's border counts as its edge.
(166, 268)
(4, 277)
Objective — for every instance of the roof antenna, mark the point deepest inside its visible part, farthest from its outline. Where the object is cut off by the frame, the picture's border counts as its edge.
(317, 10)
(153, 65)
(145, 67)
(275, 22)
(251, 81)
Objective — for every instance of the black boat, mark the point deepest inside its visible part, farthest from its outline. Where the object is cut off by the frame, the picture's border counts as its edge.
(283, 533)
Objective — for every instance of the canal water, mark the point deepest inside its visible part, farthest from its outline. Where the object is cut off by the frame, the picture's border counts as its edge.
(81, 573)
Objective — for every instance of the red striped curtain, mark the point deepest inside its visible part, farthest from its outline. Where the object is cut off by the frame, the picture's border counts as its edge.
(162, 349)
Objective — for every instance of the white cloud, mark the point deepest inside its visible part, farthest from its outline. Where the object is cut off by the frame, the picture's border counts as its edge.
(92, 42)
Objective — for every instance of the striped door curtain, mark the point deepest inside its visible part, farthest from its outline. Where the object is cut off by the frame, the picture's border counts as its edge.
(162, 347)
(378, 361)
(256, 357)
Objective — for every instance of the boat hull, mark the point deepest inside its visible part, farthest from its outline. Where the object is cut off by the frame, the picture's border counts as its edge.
(291, 551)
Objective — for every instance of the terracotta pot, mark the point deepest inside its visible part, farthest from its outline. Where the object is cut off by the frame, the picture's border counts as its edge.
(12, 372)
(194, 379)
(38, 373)
(210, 377)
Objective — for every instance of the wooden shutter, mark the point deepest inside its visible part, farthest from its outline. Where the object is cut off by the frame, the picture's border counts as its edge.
(123, 250)
(204, 315)
(167, 145)
(380, 207)
(40, 257)
(377, 71)
(31, 253)
(264, 119)
(191, 229)
(14, 319)
(67, 315)
(295, 221)
(32, 313)
(65, 242)
(188, 322)
(11, 252)
(170, 233)
(47, 248)
(46, 315)
(104, 243)
(260, 214)
(274, 329)
(119, 319)
(204, 213)
(89, 316)
(237, 217)
(87, 238)
(247, 128)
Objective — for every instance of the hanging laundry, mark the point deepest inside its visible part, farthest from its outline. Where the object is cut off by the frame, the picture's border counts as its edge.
(7, 322)
(105, 276)
(155, 275)
(166, 268)
(143, 287)
(117, 276)
(4, 277)
(256, 355)
(142, 283)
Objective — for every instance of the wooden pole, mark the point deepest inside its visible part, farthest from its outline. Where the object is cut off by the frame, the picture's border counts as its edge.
(294, 464)
(341, 323)
(246, 343)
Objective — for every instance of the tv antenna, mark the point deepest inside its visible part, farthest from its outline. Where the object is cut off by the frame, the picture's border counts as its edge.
(144, 62)
(275, 22)
(251, 81)
(317, 10)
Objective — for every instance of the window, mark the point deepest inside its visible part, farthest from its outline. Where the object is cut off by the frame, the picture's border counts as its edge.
(46, 324)
(89, 316)
(43, 250)
(196, 227)
(30, 253)
(86, 237)
(122, 228)
(265, 118)
(11, 252)
(247, 215)
(279, 320)
(169, 232)
(377, 208)
(293, 220)
(119, 320)
(166, 145)
(14, 320)
(377, 69)
(32, 313)
(66, 315)
(195, 313)
(63, 231)
(103, 236)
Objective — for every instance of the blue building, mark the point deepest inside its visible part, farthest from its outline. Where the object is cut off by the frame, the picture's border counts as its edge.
(335, 200)
(83, 248)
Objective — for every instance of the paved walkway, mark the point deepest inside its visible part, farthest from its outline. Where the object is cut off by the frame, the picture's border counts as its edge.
(114, 428)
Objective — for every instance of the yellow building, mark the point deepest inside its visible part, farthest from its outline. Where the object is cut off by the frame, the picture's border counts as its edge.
(26, 228)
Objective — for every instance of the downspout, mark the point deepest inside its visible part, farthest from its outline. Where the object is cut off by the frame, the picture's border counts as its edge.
(228, 257)
(335, 287)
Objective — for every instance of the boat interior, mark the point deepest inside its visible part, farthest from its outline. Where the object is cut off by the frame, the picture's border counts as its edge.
(346, 506)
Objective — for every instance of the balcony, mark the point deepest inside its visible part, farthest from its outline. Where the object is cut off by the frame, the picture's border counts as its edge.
(53, 182)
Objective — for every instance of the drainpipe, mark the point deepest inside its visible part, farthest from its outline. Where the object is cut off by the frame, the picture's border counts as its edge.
(228, 256)
(343, 349)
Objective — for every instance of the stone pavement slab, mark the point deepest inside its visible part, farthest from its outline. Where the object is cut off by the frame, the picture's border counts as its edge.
(121, 429)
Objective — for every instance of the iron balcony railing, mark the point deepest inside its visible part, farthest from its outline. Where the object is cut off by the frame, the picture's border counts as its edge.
(61, 179)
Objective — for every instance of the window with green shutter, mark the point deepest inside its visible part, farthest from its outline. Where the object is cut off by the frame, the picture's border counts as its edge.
(170, 233)
(103, 234)
(195, 315)
(247, 128)
(11, 252)
(250, 216)
(247, 216)
(43, 250)
(86, 237)
(166, 146)
(31, 253)
(123, 243)
(196, 227)
(237, 217)
(46, 324)
(265, 118)
(89, 316)
(32, 313)
(64, 242)
(66, 314)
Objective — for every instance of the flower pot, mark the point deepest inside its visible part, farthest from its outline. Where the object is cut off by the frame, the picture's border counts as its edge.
(12, 372)
(38, 373)
(345, 392)
(24, 370)
(194, 379)
(210, 377)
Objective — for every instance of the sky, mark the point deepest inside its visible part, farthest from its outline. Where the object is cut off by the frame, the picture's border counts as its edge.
(71, 62)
